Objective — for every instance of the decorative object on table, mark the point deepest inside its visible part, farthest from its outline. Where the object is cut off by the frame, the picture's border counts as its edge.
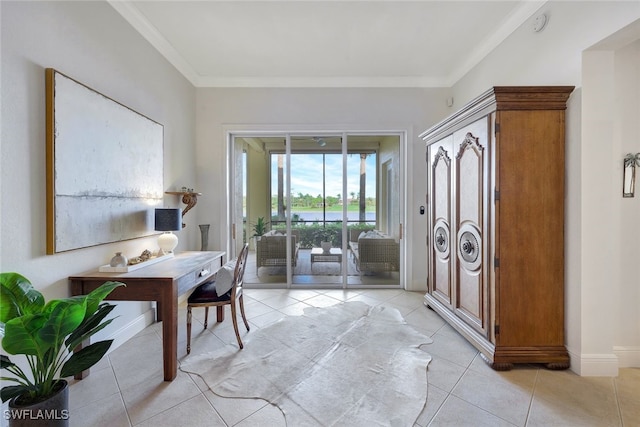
(168, 220)
(189, 198)
(324, 237)
(46, 335)
(123, 162)
(136, 263)
(629, 174)
(144, 257)
(118, 260)
(204, 235)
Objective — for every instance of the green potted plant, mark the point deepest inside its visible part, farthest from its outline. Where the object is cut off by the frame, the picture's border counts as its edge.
(324, 237)
(46, 334)
(259, 228)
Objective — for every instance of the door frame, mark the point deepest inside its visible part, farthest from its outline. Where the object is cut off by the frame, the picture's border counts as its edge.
(249, 131)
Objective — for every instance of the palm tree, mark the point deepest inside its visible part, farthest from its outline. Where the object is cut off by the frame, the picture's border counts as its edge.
(280, 187)
(363, 184)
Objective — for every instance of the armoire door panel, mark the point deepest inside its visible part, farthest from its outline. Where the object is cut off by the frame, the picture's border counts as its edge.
(440, 221)
(470, 144)
(470, 298)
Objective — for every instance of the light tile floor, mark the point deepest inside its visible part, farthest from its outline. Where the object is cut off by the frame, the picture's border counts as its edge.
(127, 388)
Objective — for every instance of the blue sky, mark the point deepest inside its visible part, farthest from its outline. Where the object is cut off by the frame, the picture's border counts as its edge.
(306, 174)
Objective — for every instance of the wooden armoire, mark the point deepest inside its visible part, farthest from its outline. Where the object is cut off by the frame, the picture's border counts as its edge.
(496, 224)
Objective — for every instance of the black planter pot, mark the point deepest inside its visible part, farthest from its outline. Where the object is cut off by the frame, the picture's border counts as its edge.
(53, 412)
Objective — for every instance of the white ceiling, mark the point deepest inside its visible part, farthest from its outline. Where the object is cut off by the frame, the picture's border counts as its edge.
(325, 43)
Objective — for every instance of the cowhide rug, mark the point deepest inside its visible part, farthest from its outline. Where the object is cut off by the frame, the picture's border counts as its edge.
(345, 365)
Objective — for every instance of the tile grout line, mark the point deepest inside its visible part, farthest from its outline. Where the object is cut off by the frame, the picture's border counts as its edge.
(533, 394)
(617, 397)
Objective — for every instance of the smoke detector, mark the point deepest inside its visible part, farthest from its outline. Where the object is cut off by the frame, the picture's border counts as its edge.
(540, 22)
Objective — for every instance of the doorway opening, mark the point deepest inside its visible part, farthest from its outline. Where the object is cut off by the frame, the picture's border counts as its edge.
(321, 210)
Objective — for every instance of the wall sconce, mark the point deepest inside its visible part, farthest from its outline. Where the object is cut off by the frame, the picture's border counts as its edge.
(629, 174)
(168, 220)
(189, 198)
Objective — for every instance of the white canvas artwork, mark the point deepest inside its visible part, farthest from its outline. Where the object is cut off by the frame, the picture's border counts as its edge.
(107, 169)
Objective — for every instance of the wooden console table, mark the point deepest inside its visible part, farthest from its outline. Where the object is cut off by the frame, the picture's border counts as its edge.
(163, 282)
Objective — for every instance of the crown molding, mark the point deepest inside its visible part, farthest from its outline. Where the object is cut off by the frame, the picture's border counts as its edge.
(319, 82)
(141, 24)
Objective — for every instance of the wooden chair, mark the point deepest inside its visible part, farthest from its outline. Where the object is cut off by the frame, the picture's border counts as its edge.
(206, 296)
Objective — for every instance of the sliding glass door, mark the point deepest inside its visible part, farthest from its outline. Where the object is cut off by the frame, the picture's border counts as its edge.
(316, 211)
(307, 203)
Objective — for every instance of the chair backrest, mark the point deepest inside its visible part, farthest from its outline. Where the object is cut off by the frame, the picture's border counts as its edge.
(241, 263)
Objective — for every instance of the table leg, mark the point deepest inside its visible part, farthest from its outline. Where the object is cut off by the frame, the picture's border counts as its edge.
(169, 316)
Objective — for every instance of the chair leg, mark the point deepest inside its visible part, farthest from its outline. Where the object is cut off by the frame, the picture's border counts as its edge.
(206, 317)
(188, 329)
(241, 299)
(234, 318)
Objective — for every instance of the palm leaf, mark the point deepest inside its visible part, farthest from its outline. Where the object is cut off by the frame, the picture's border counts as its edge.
(11, 391)
(90, 326)
(85, 358)
(64, 318)
(5, 362)
(95, 297)
(20, 334)
(18, 297)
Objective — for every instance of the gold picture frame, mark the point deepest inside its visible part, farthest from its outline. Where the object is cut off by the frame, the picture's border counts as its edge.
(104, 167)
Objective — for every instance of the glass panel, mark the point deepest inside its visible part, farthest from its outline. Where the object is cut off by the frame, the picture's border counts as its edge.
(373, 183)
(239, 231)
(263, 266)
(316, 210)
(332, 193)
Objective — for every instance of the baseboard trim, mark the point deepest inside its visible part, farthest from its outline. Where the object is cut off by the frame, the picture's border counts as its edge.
(628, 356)
(132, 328)
(594, 365)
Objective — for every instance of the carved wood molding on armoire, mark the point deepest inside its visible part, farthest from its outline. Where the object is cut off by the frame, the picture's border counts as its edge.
(496, 172)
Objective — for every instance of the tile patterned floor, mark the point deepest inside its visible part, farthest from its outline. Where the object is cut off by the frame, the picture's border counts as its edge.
(127, 389)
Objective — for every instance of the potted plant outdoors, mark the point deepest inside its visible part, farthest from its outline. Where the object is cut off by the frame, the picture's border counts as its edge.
(326, 238)
(259, 228)
(46, 335)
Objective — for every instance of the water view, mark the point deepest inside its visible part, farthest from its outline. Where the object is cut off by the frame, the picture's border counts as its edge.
(333, 216)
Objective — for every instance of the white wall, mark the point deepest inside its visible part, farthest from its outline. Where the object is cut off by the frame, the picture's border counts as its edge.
(610, 125)
(627, 319)
(90, 42)
(225, 110)
(601, 229)
(552, 56)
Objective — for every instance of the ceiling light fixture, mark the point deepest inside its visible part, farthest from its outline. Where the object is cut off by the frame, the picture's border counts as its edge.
(321, 142)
